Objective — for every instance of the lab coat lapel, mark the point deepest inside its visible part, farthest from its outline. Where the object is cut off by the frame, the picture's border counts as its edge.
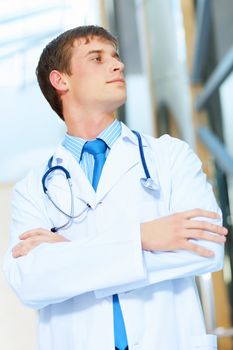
(122, 157)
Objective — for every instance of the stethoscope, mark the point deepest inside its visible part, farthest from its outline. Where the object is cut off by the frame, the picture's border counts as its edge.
(147, 182)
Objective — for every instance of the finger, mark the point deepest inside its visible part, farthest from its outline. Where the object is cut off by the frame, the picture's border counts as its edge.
(49, 237)
(197, 249)
(35, 232)
(190, 214)
(207, 226)
(15, 252)
(19, 250)
(199, 234)
(24, 247)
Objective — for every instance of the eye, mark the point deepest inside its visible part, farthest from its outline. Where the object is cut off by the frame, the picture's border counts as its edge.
(97, 58)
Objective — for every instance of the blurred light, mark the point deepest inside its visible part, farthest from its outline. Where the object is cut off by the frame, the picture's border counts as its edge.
(227, 270)
(25, 30)
(179, 30)
(206, 277)
(29, 129)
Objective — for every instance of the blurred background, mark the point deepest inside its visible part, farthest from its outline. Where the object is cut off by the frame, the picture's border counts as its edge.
(179, 62)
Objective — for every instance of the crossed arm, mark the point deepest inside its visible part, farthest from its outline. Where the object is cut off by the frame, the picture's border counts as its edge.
(173, 232)
(184, 244)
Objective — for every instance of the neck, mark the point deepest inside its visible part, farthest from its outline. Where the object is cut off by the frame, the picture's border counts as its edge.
(88, 127)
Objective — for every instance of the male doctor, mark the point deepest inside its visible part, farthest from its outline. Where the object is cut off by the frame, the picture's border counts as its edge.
(118, 274)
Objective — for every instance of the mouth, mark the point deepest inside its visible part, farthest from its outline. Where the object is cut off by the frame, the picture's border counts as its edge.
(121, 81)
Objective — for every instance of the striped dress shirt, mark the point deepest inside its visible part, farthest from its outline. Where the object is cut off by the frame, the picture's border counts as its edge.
(86, 160)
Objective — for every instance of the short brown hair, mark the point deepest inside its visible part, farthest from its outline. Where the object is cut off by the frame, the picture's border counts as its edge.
(57, 55)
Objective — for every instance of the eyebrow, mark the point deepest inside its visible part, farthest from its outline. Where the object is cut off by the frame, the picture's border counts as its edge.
(100, 52)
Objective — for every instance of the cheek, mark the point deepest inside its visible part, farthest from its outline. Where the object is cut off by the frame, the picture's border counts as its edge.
(87, 89)
(78, 85)
(90, 90)
(89, 82)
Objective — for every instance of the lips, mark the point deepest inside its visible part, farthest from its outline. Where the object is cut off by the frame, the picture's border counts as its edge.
(118, 80)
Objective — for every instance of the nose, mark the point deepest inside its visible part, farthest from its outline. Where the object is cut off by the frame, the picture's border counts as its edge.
(118, 65)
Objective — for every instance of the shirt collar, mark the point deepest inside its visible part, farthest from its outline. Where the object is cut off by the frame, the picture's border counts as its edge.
(108, 135)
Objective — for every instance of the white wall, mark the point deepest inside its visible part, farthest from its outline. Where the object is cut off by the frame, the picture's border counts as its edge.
(29, 131)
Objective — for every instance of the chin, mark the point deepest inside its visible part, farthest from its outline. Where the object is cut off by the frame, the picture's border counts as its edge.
(120, 102)
(120, 98)
(112, 106)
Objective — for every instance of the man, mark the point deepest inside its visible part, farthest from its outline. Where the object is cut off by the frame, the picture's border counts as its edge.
(108, 263)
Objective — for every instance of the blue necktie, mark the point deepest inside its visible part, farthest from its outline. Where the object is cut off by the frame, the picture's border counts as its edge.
(98, 148)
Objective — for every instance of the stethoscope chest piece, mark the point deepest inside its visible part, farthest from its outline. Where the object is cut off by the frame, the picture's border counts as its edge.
(149, 184)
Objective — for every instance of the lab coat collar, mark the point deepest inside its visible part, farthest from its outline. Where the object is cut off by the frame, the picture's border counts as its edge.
(122, 157)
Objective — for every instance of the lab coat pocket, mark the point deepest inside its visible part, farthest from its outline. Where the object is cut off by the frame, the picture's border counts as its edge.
(204, 342)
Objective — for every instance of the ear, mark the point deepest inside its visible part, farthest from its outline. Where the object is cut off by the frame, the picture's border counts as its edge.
(58, 81)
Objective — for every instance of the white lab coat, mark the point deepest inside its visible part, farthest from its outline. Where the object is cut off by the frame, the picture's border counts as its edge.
(72, 283)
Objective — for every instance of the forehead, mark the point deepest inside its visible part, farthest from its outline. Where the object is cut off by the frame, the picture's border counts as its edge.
(82, 46)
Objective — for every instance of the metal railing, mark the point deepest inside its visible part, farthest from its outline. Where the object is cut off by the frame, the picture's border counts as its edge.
(222, 71)
(217, 150)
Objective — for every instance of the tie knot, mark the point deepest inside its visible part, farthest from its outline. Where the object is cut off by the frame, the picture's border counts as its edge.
(95, 147)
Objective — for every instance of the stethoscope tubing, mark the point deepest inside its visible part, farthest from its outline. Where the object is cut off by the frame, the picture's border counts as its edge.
(142, 155)
(71, 216)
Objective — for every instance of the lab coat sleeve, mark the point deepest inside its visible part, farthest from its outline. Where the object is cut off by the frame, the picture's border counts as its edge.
(52, 273)
(188, 189)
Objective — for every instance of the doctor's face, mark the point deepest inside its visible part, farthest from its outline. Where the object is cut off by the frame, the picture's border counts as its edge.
(97, 78)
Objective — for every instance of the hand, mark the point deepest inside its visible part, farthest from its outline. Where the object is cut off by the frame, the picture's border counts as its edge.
(174, 232)
(33, 238)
